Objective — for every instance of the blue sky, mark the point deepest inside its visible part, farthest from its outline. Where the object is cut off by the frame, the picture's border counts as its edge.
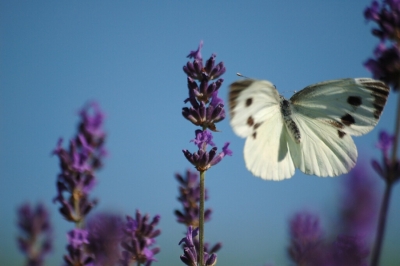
(128, 56)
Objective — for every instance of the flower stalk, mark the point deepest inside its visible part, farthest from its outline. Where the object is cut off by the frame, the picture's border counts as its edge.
(386, 67)
(205, 111)
(201, 217)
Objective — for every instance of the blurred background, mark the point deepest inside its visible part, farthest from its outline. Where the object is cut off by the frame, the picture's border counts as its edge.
(128, 56)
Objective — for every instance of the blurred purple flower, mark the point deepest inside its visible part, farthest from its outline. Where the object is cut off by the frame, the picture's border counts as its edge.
(306, 246)
(385, 142)
(359, 204)
(77, 239)
(388, 170)
(91, 133)
(140, 235)
(105, 233)
(79, 163)
(189, 196)
(36, 234)
(350, 250)
(386, 64)
(202, 159)
(387, 16)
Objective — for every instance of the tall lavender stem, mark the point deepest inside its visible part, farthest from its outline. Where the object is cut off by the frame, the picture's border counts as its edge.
(201, 217)
(390, 178)
(386, 67)
(381, 225)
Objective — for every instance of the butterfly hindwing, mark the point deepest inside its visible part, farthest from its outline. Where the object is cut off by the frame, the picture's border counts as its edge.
(266, 152)
(322, 151)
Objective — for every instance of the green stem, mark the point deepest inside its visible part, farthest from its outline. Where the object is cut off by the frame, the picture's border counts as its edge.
(397, 132)
(386, 196)
(381, 225)
(78, 223)
(201, 218)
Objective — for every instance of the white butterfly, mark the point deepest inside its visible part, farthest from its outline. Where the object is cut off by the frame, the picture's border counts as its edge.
(311, 131)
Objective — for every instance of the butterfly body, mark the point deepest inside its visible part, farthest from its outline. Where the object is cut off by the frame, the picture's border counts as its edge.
(310, 131)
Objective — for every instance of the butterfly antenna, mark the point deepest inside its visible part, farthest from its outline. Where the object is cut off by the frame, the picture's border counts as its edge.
(240, 75)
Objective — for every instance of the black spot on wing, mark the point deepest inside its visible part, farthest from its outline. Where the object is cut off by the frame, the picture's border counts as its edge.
(250, 121)
(354, 100)
(341, 134)
(254, 135)
(249, 101)
(347, 119)
(256, 125)
(236, 89)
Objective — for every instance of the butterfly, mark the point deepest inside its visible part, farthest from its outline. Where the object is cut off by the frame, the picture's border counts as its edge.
(311, 131)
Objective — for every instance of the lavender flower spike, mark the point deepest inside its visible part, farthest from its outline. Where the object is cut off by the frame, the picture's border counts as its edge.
(199, 113)
(196, 70)
(202, 159)
(190, 254)
(105, 233)
(140, 237)
(77, 239)
(79, 163)
(388, 170)
(386, 64)
(350, 250)
(36, 238)
(189, 196)
(190, 250)
(306, 238)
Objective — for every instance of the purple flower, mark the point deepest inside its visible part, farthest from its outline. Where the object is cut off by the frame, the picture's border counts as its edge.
(387, 169)
(201, 114)
(203, 138)
(386, 64)
(350, 250)
(202, 159)
(105, 233)
(191, 250)
(77, 239)
(79, 163)
(196, 70)
(387, 16)
(36, 234)
(359, 210)
(189, 196)
(140, 236)
(206, 108)
(385, 142)
(196, 54)
(91, 134)
(306, 246)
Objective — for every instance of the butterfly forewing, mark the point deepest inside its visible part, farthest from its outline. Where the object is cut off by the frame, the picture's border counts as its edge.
(251, 104)
(353, 106)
